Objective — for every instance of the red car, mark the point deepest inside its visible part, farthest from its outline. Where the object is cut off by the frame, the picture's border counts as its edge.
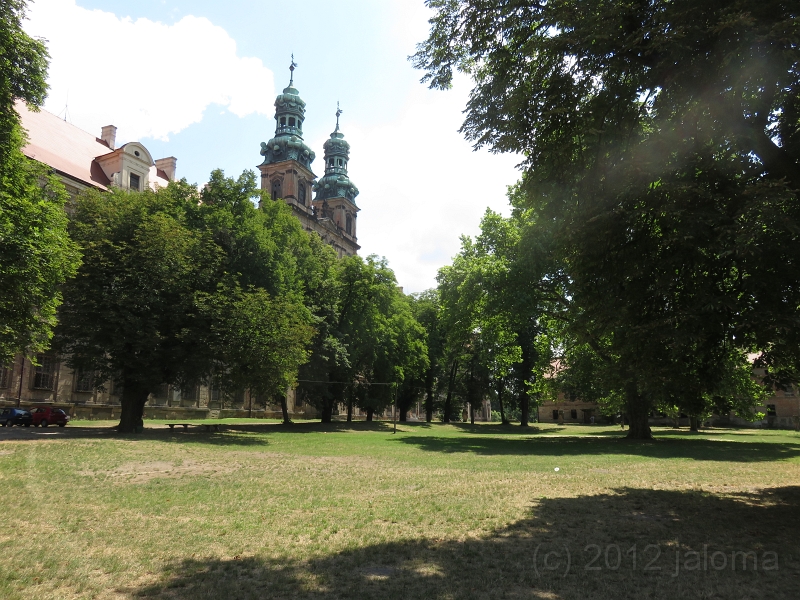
(49, 416)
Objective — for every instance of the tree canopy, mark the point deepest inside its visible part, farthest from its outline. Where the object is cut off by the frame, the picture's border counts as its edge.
(36, 255)
(659, 142)
(173, 290)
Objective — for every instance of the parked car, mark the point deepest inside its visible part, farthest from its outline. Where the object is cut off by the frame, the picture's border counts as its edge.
(42, 417)
(15, 416)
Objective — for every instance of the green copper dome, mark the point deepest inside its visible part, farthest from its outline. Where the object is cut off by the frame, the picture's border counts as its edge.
(335, 183)
(290, 112)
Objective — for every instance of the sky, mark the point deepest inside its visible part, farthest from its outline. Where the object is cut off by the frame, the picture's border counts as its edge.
(197, 79)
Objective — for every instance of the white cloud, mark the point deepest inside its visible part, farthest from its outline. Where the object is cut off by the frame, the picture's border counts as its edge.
(147, 78)
(422, 186)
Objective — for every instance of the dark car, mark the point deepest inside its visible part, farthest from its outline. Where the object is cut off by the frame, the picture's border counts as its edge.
(15, 416)
(42, 417)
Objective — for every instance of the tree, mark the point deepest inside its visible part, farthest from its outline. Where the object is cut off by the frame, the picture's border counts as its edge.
(36, 255)
(426, 307)
(173, 290)
(661, 148)
(376, 340)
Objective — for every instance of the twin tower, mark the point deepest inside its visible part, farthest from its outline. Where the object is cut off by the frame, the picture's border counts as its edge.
(286, 174)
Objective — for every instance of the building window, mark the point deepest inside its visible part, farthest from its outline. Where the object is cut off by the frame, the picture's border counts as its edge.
(214, 394)
(555, 415)
(301, 194)
(771, 412)
(276, 190)
(349, 225)
(134, 182)
(84, 381)
(573, 414)
(191, 394)
(43, 376)
(5, 377)
(283, 121)
(291, 121)
(788, 390)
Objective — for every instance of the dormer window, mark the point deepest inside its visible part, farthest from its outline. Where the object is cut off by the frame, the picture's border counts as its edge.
(134, 182)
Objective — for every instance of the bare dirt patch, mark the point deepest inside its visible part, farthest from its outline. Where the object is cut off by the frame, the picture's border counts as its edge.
(141, 472)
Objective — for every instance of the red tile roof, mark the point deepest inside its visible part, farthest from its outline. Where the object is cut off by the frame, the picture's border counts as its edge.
(63, 146)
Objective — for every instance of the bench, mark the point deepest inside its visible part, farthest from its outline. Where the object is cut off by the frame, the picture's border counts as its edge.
(208, 426)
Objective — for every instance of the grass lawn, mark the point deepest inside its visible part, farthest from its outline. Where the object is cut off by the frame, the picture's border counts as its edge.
(435, 511)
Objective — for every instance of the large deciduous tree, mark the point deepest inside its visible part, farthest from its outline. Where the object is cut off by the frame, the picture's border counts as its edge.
(661, 149)
(178, 286)
(36, 255)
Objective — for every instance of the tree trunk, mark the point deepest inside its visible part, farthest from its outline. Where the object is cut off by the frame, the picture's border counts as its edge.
(133, 399)
(285, 410)
(350, 409)
(327, 410)
(638, 411)
(524, 406)
(370, 412)
(429, 396)
(448, 402)
(693, 424)
(501, 387)
(403, 414)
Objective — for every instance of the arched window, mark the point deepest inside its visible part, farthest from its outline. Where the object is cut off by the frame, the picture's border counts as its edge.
(349, 225)
(291, 121)
(301, 193)
(276, 189)
(283, 121)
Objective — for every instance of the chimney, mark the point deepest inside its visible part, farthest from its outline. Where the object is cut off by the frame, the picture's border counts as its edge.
(109, 135)
(168, 165)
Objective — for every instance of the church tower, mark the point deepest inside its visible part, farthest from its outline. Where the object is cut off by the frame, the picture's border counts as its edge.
(336, 194)
(286, 171)
(286, 174)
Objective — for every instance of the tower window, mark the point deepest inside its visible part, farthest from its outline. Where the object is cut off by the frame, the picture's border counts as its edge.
(339, 161)
(291, 121)
(349, 225)
(283, 121)
(301, 194)
(331, 162)
(276, 190)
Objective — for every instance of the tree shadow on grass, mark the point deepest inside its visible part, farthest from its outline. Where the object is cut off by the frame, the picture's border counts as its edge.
(697, 449)
(510, 429)
(228, 436)
(628, 544)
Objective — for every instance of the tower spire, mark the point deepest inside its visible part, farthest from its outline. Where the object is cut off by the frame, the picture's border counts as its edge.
(292, 67)
(339, 112)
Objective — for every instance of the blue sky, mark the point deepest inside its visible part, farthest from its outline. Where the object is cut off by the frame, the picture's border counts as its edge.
(197, 80)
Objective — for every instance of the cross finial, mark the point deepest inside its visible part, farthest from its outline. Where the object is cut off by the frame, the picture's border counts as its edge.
(339, 112)
(292, 67)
